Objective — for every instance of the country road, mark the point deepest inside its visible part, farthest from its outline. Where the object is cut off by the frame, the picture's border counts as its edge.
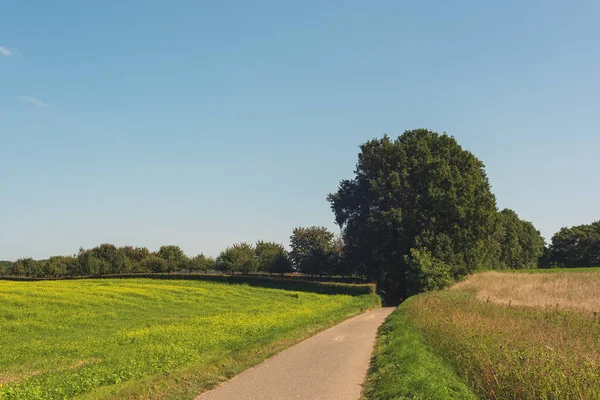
(331, 365)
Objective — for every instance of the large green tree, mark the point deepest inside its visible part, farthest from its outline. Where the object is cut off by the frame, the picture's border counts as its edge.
(201, 263)
(518, 244)
(578, 246)
(313, 251)
(175, 258)
(240, 257)
(272, 257)
(420, 194)
(114, 260)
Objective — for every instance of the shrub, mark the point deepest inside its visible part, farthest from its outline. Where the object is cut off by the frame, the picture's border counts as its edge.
(426, 272)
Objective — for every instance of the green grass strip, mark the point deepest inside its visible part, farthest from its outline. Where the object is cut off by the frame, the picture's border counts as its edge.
(405, 367)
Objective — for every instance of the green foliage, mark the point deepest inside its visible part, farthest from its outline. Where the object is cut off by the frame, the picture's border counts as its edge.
(240, 257)
(202, 263)
(90, 264)
(519, 245)
(154, 263)
(405, 367)
(576, 247)
(419, 191)
(135, 254)
(313, 251)
(26, 267)
(102, 260)
(272, 257)
(107, 337)
(175, 258)
(426, 272)
(5, 267)
(58, 266)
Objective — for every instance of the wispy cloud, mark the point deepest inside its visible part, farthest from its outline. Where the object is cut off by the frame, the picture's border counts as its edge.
(5, 51)
(33, 100)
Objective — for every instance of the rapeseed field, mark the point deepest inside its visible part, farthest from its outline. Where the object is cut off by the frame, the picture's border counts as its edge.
(144, 338)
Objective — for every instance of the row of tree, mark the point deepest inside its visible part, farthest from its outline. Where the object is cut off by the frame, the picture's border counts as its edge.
(314, 252)
(108, 259)
(418, 214)
(513, 244)
(575, 247)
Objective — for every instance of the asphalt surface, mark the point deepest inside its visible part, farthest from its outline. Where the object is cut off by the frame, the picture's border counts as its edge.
(331, 365)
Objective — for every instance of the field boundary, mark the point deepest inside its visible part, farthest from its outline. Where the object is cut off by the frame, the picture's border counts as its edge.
(295, 284)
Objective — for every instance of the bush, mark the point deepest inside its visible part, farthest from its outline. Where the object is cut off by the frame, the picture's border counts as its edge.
(426, 272)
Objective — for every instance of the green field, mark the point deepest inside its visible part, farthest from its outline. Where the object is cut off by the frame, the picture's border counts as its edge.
(143, 338)
(505, 335)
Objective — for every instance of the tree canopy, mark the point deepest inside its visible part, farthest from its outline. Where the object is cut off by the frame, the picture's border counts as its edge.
(240, 257)
(272, 257)
(577, 246)
(516, 244)
(421, 192)
(313, 250)
(174, 256)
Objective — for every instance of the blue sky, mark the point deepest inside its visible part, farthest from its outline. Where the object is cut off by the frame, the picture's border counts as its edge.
(207, 123)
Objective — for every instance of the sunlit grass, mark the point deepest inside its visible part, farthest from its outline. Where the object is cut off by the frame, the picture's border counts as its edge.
(578, 291)
(517, 336)
(143, 338)
(404, 366)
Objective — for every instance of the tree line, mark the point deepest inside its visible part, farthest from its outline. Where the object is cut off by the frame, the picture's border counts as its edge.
(314, 252)
(418, 214)
(574, 247)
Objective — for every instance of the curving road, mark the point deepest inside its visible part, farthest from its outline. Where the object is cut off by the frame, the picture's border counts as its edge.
(331, 365)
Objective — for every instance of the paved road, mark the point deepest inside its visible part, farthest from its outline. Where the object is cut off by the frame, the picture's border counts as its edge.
(331, 365)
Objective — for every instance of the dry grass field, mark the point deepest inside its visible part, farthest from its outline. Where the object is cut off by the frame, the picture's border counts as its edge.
(579, 291)
(517, 335)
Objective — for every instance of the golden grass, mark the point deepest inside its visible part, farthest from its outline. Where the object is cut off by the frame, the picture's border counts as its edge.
(578, 291)
(515, 346)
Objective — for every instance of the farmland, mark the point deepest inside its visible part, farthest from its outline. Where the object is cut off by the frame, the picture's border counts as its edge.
(505, 335)
(144, 338)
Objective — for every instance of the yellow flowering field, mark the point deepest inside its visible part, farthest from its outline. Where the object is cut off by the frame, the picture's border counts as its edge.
(144, 338)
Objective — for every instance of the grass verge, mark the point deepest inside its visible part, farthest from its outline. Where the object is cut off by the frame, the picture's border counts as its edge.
(404, 366)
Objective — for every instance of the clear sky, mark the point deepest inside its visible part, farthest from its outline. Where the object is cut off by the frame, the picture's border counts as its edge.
(207, 123)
